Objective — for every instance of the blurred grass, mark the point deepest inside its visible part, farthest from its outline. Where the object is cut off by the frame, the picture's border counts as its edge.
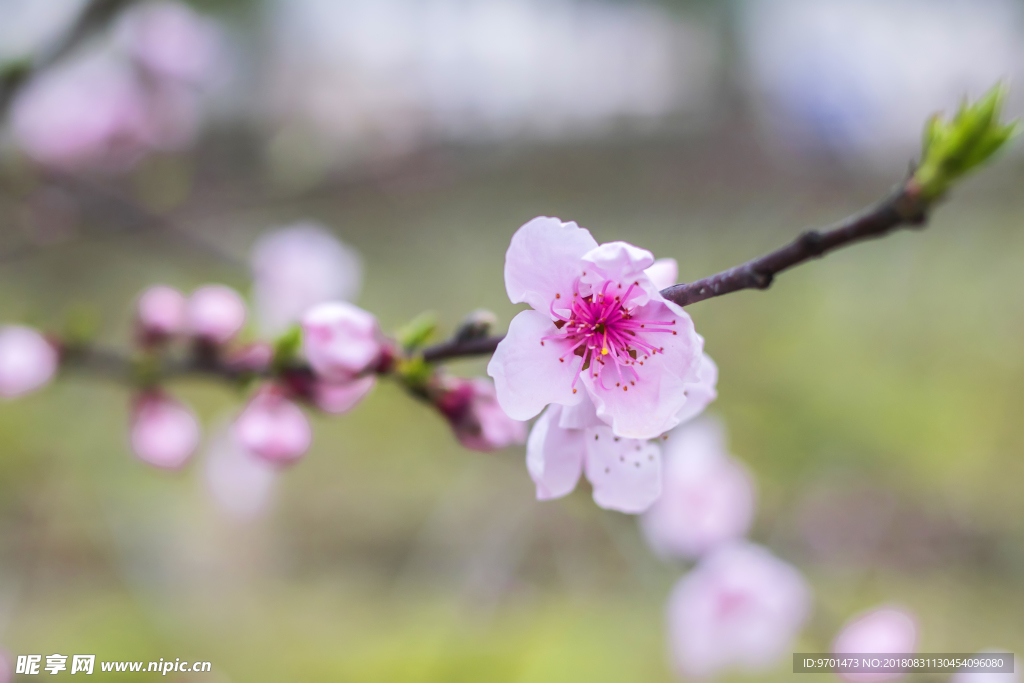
(889, 372)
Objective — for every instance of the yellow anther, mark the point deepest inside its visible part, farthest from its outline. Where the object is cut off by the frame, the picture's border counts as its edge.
(604, 352)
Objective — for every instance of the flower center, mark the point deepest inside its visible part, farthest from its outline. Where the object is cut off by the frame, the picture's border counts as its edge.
(601, 329)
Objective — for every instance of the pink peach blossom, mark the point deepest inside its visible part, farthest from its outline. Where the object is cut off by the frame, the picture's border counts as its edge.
(707, 497)
(92, 113)
(274, 428)
(663, 273)
(298, 267)
(171, 40)
(216, 314)
(600, 327)
(478, 421)
(27, 361)
(883, 630)
(740, 607)
(164, 432)
(160, 313)
(562, 444)
(341, 340)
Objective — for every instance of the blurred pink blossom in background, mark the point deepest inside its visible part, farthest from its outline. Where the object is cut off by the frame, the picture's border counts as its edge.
(160, 313)
(341, 340)
(298, 267)
(478, 421)
(241, 484)
(164, 432)
(27, 361)
(739, 608)
(274, 428)
(883, 630)
(216, 313)
(707, 495)
(337, 398)
(89, 113)
(171, 40)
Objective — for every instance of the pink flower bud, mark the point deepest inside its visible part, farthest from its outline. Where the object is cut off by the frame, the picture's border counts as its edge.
(707, 495)
(27, 361)
(337, 398)
(164, 432)
(884, 630)
(341, 340)
(160, 314)
(216, 313)
(274, 428)
(471, 407)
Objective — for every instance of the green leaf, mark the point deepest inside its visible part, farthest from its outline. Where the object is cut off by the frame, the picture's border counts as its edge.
(417, 332)
(286, 348)
(951, 149)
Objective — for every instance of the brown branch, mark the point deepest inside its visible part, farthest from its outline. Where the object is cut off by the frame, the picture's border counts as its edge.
(903, 208)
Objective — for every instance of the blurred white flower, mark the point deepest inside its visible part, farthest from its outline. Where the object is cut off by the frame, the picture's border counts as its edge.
(861, 76)
(707, 495)
(740, 607)
(883, 630)
(298, 267)
(241, 483)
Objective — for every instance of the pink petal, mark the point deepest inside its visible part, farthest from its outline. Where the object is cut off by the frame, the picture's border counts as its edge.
(618, 261)
(543, 260)
(625, 473)
(554, 456)
(27, 361)
(654, 403)
(581, 415)
(664, 273)
(164, 432)
(528, 375)
(701, 392)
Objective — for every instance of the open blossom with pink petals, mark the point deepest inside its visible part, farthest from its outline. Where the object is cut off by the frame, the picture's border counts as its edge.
(599, 328)
(341, 341)
(164, 431)
(569, 440)
(216, 314)
(27, 361)
(887, 629)
(740, 607)
(707, 497)
(274, 428)
(478, 421)
(298, 267)
(160, 313)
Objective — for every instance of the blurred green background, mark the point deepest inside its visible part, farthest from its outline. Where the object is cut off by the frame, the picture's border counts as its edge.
(875, 394)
